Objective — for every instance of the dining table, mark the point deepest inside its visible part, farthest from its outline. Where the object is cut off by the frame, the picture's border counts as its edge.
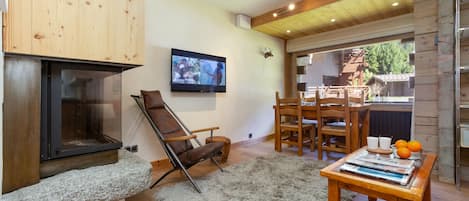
(359, 116)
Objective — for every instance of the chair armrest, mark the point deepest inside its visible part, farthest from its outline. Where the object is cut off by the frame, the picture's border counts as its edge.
(180, 138)
(205, 129)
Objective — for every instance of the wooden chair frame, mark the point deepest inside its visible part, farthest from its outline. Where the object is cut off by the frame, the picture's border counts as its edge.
(292, 107)
(333, 108)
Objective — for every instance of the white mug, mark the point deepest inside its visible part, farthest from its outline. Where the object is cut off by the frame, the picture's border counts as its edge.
(372, 142)
(385, 143)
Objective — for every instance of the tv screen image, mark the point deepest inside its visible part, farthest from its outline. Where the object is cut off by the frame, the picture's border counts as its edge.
(197, 72)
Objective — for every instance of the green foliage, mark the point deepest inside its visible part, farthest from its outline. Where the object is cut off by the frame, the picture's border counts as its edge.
(368, 75)
(391, 57)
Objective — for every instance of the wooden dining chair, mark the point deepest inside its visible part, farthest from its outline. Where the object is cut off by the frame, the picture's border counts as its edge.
(333, 108)
(308, 99)
(354, 97)
(288, 118)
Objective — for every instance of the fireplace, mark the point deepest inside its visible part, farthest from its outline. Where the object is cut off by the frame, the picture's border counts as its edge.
(80, 109)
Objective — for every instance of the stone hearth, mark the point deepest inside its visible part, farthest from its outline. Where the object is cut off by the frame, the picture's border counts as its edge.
(129, 176)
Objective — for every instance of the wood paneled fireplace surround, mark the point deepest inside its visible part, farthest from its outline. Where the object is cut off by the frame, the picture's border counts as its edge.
(59, 115)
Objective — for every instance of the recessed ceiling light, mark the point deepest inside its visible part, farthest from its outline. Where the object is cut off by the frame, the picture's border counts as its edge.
(395, 4)
(288, 31)
(332, 20)
(275, 14)
(291, 6)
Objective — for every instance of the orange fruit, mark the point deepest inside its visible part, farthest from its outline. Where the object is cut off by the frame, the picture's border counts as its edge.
(403, 152)
(414, 146)
(400, 143)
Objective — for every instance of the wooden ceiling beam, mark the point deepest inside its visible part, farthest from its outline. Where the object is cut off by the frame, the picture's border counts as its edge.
(301, 6)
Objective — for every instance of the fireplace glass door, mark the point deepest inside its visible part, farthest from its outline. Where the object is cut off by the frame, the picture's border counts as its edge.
(83, 104)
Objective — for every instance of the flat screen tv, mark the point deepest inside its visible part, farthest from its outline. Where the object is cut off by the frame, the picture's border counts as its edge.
(197, 72)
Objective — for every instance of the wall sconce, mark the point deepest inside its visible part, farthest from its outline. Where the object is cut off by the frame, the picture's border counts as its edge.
(267, 53)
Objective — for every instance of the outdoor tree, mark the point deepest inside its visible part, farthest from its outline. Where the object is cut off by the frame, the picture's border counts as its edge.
(391, 57)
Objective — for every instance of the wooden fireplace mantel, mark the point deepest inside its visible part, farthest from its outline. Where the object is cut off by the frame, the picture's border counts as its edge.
(106, 31)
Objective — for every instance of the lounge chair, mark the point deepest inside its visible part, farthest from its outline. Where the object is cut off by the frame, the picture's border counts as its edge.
(175, 137)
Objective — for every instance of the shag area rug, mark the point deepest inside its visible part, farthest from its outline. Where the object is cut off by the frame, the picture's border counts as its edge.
(129, 176)
(274, 177)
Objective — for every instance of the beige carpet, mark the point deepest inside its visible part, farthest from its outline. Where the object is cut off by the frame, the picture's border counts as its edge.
(275, 177)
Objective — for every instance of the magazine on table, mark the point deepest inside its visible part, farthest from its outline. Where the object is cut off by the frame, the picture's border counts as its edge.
(379, 166)
(401, 179)
(386, 160)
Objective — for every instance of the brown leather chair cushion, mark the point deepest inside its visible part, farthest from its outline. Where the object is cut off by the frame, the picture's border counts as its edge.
(152, 99)
(193, 156)
(164, 121)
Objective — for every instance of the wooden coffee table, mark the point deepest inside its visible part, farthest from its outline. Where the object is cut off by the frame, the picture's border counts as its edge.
(417, 189)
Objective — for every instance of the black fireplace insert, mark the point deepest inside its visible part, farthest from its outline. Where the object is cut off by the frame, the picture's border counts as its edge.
(81, 109)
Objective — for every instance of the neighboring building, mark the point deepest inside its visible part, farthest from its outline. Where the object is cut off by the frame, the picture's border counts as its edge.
(339, 68)
(391, 85)
(353, 68)
(320, 68)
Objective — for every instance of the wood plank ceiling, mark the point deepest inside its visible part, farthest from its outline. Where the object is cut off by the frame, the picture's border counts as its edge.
(316, 16)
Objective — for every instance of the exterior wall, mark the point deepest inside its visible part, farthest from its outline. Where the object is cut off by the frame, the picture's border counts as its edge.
(323, 64)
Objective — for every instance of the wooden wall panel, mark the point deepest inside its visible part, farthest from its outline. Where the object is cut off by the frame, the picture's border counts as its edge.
(425, 8)
(426, 25)
(68, 37)
(426, 109)
(126, 22)
(430, 142)
(45, 28)
(426, 63)
(94, 25)
(17, 35)
(100, 30)
(21, 134)
(426, 121)
(426, 92)
(428, 130)
(426, 74)
(426, 79)
(425, 42)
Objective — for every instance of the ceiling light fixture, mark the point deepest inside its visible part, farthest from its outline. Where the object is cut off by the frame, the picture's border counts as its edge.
(395, 4)
(283, 11)
(332, 20)
(288, 31)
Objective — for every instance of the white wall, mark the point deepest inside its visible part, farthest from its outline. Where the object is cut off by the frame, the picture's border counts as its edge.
(245, 108)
